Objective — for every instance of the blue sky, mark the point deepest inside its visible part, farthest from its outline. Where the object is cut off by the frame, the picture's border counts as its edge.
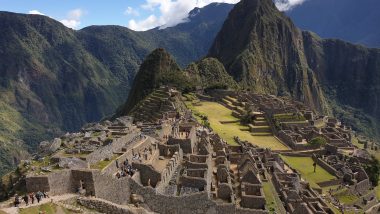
(135, 14)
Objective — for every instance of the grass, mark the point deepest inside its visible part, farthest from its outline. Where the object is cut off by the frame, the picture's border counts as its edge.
(217, 112)
(288, 117)
(348, 199)
(271, 202)
(103, 163)
(376, 154)
(304, 165)
(377, 190)
(48, 208)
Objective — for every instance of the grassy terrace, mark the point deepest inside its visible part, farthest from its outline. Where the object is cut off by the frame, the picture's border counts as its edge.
(217, 112)
(271, 199)
(48, 208)
(103, 163)
(304, 165)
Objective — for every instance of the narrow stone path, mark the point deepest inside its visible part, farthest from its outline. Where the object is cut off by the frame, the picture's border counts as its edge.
(15, 210)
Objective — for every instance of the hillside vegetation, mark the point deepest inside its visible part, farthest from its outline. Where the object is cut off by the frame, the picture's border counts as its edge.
(55, 79)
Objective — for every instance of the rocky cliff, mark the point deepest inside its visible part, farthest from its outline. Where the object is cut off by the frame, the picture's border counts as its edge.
(263, 50)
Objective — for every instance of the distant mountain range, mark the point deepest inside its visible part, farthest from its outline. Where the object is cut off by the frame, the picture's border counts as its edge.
(55, 79)
(351, 20)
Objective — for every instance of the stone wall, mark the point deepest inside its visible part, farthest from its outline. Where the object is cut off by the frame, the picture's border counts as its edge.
(61, 182)
(37, 183)
(325, 166)
(111, 188)
(330, 183)
(84, 178)
(189, 204)
(170, 168)
(361, 187)
(108, 207)
(116, 146)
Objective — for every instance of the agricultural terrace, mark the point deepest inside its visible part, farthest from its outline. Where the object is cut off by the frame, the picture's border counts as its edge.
(218, 115)
(304, 165)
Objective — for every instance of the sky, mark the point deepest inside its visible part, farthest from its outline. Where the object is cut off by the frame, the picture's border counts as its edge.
(138, 15)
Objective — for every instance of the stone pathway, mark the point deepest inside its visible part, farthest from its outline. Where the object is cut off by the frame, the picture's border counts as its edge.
(15, 210)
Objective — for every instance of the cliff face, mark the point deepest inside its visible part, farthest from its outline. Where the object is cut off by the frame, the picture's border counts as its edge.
(350, 76)
(262, 49)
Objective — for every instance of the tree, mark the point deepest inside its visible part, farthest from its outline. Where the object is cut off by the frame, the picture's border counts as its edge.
(373, 170)
(318, 141)
(315, 166)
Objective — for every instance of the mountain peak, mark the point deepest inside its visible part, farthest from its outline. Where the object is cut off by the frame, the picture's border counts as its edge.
(262, 49)
(158, 68)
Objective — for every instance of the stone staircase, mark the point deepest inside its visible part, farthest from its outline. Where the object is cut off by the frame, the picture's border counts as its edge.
(260, 127)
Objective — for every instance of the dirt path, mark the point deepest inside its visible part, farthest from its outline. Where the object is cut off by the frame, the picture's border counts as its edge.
(15, 210)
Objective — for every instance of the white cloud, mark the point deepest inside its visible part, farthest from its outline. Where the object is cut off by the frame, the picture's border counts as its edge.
(285, 5)
(35, 12)
(172, 12)
(151, 22)
(73, 18)
(131, 11)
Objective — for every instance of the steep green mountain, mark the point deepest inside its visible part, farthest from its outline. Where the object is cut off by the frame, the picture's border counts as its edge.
(209, 73)
(263, 50)
(160, 69)
(54, 79)
(350, 20)
(49, 82)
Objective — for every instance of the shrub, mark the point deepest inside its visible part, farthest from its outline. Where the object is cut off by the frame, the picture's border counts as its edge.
(318, 141)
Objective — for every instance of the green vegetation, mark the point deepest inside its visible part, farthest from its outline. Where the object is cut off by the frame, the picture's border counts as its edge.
(209, 73)
(216, 112)
(289, 117)
(347, 199)
(319, 141)
(47, 208)
(373, 171)
(273, 203)
(304, 165)
(103, 163)
(55, 79)
(377, 190)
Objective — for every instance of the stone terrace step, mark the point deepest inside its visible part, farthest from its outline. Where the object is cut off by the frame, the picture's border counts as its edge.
(259, 128)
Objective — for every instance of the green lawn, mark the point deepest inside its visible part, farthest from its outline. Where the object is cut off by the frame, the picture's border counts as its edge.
(348, 199)
(48, 208)
(217, 112)
(304, 165)
(377, 189)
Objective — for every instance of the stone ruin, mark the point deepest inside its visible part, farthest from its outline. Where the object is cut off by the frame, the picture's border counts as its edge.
(175, 165)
